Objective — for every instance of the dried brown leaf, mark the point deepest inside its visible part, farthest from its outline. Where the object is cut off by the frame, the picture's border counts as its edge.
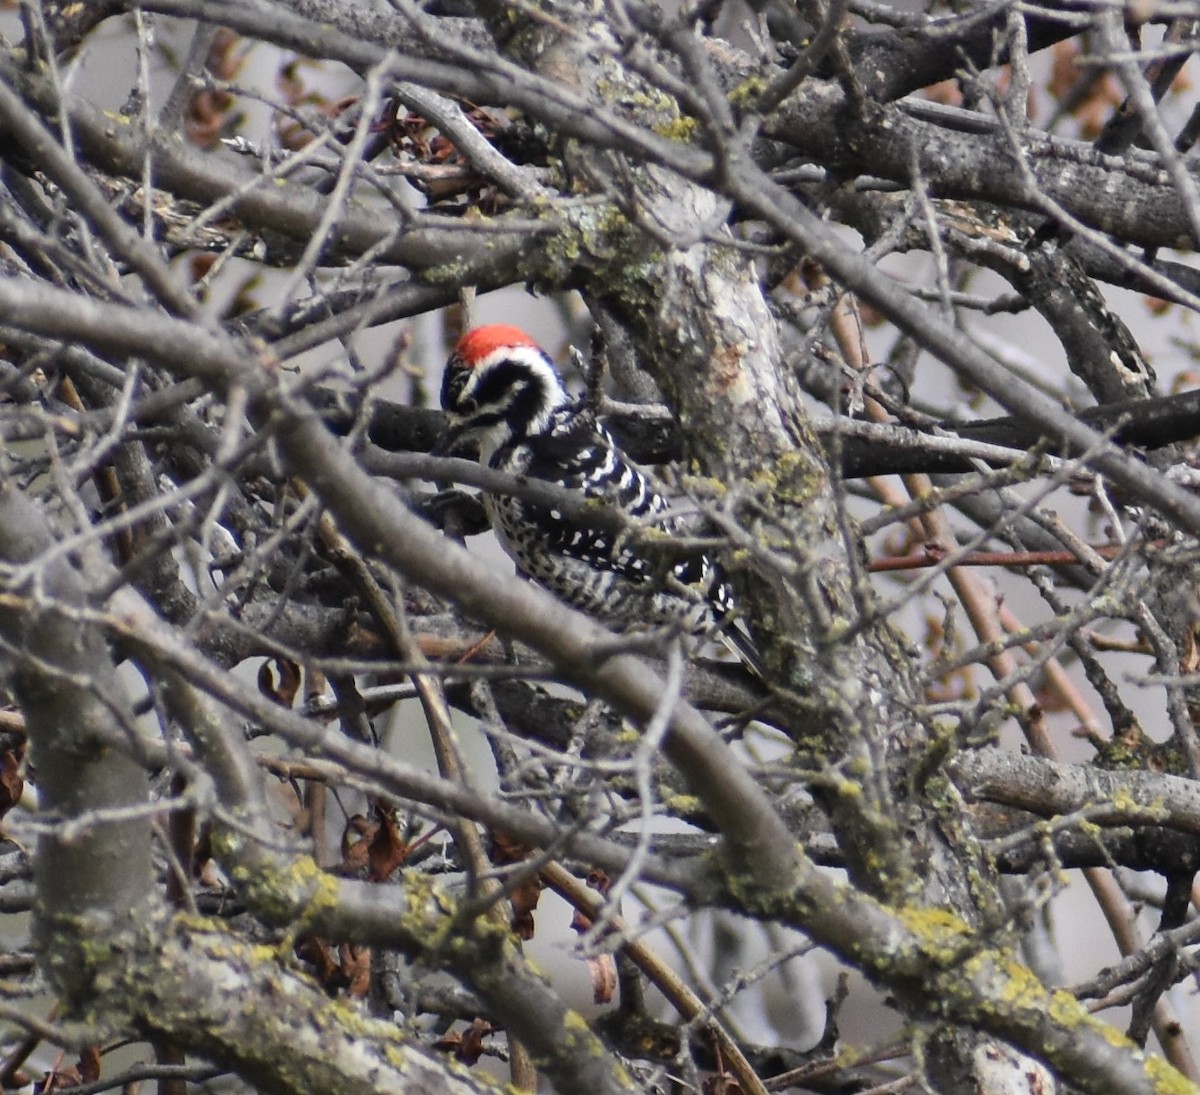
(524, 897)
(356, 969)
(58, 1078)
(466, 1045)
(319, 955)
(357, 837)
(386, 851)
(89, 1064)
(282, 689)
(11, 781)
(603, 971)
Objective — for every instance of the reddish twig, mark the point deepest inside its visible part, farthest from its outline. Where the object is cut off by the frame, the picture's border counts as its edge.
(931, 555)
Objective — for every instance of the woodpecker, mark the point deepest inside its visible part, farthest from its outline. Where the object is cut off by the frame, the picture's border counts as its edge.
(502, 390)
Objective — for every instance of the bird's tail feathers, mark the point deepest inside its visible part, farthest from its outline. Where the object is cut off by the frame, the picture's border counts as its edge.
(738, 642)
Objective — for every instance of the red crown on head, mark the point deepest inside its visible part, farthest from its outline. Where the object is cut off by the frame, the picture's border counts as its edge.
(477, 344)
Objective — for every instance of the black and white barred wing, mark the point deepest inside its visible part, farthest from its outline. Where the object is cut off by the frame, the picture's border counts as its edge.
(614, 578)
